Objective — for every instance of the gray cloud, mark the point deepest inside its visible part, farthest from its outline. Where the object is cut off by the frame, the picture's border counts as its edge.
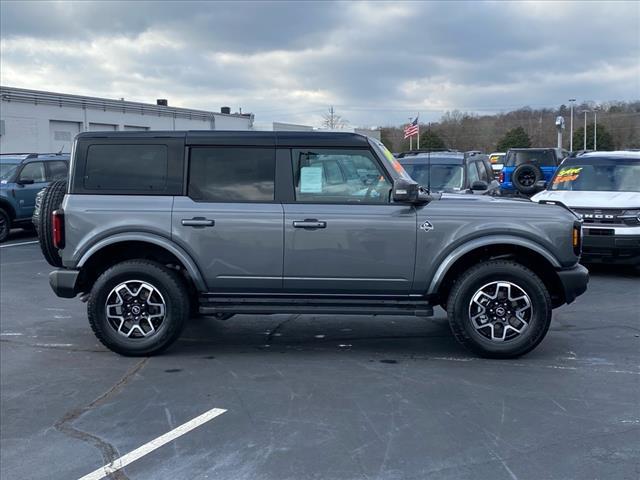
(378, 62)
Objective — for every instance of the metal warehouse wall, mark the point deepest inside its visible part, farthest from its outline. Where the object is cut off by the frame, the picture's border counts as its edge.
(32, 121)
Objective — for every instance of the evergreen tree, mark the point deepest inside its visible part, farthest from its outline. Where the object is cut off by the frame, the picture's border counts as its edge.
(603, 142)
(430, 140)
(514, 138)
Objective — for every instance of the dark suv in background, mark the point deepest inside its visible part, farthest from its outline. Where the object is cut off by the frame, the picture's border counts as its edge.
(524, 167)
(451, 171)
(22, 176)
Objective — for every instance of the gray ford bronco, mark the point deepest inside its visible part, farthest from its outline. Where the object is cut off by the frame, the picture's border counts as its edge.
(155, 227)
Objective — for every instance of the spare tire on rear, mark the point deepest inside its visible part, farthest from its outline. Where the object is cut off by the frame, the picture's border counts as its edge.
(51, 201)
(525, 176)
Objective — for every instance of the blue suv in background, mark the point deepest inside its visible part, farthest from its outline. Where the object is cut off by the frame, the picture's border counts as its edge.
(523, 167)
(22, 176)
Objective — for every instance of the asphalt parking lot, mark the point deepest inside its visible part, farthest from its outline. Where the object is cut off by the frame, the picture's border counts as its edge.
(318, 397)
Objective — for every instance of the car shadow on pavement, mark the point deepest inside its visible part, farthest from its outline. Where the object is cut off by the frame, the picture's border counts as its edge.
(405, 336)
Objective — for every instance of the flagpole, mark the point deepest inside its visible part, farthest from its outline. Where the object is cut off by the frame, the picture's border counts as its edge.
(418, 137)
(410, 142)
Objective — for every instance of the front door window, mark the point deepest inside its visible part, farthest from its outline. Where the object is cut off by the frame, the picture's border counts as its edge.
(339, 176)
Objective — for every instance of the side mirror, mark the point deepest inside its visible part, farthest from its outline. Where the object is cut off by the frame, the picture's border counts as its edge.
(479, 185)
(541, 185)
(405, 191)
(25, 181)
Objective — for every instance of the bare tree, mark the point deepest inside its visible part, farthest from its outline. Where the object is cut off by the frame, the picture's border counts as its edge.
(333, 121)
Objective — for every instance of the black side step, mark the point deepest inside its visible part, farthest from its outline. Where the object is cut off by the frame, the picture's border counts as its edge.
(212, 303)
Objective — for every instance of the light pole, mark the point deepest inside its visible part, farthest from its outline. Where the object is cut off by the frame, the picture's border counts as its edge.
(571, 102)
(585, 130)
(595, 129)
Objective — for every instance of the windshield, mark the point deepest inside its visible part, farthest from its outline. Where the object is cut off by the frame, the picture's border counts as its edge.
(540, 157)
(444, 178)
(395, 164)
(603, 176)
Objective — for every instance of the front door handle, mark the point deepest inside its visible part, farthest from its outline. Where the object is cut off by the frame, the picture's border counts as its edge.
(309, 223)
(198, 222)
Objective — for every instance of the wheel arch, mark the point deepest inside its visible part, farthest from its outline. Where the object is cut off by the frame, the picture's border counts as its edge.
(533, 256)
(123, 247)
(7, 207)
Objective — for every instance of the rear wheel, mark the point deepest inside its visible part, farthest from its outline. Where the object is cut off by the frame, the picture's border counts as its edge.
(499, 309)
(138, 307)
(5, 225)
(51, 201)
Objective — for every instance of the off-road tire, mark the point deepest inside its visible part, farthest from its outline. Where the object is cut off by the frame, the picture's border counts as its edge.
(528, 169)
(5, 225)
(471, 281)
(166, 281)
(51, 201)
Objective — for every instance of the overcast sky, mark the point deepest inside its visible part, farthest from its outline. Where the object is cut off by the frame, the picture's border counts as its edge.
(378, 63)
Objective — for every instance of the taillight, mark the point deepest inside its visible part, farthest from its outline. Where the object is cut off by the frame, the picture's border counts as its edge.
(57, 221)
(501, 177)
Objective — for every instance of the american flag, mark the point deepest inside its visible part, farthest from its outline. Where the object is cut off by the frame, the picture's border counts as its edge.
(411, 129)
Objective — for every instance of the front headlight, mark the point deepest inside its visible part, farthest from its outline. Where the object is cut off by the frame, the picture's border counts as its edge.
(631, 217)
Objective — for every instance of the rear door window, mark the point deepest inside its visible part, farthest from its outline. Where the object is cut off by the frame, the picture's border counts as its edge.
(57, 171)
(127, 168)
(232, 174)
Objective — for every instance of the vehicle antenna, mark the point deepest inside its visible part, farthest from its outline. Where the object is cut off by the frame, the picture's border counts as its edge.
(429, 163)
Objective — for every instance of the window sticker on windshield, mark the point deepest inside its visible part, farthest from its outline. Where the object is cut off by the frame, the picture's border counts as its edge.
(567, 175)
(311, 180)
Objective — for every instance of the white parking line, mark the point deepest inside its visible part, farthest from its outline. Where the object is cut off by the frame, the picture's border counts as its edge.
(18, 244)
(139, 452)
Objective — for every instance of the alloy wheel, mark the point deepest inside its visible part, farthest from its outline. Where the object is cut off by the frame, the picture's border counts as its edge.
(500, 311)
(135, 309)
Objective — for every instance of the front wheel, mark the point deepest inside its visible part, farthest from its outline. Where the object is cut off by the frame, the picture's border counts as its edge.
(138, 307)
(499, 309)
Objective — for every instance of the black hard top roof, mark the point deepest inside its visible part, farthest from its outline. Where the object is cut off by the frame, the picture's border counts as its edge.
(242, 137)
(437, 158)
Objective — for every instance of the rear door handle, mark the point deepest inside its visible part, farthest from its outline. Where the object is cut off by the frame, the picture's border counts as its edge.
(309, 223)
(198, 222)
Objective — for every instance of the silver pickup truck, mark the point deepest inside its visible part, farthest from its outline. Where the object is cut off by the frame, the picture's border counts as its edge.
(154, 227)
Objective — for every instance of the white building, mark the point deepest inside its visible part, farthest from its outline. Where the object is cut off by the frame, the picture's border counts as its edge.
(41, 122)
(294, 127)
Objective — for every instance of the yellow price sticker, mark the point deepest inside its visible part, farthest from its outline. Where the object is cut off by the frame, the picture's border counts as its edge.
(567, 175)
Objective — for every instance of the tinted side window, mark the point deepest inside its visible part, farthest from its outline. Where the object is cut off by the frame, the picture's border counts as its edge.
(33, 171)
(472, 173)
(340, 176)
(138, 168)
(543, 158)
(482, 173)
(57, 171)
(232, 174)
